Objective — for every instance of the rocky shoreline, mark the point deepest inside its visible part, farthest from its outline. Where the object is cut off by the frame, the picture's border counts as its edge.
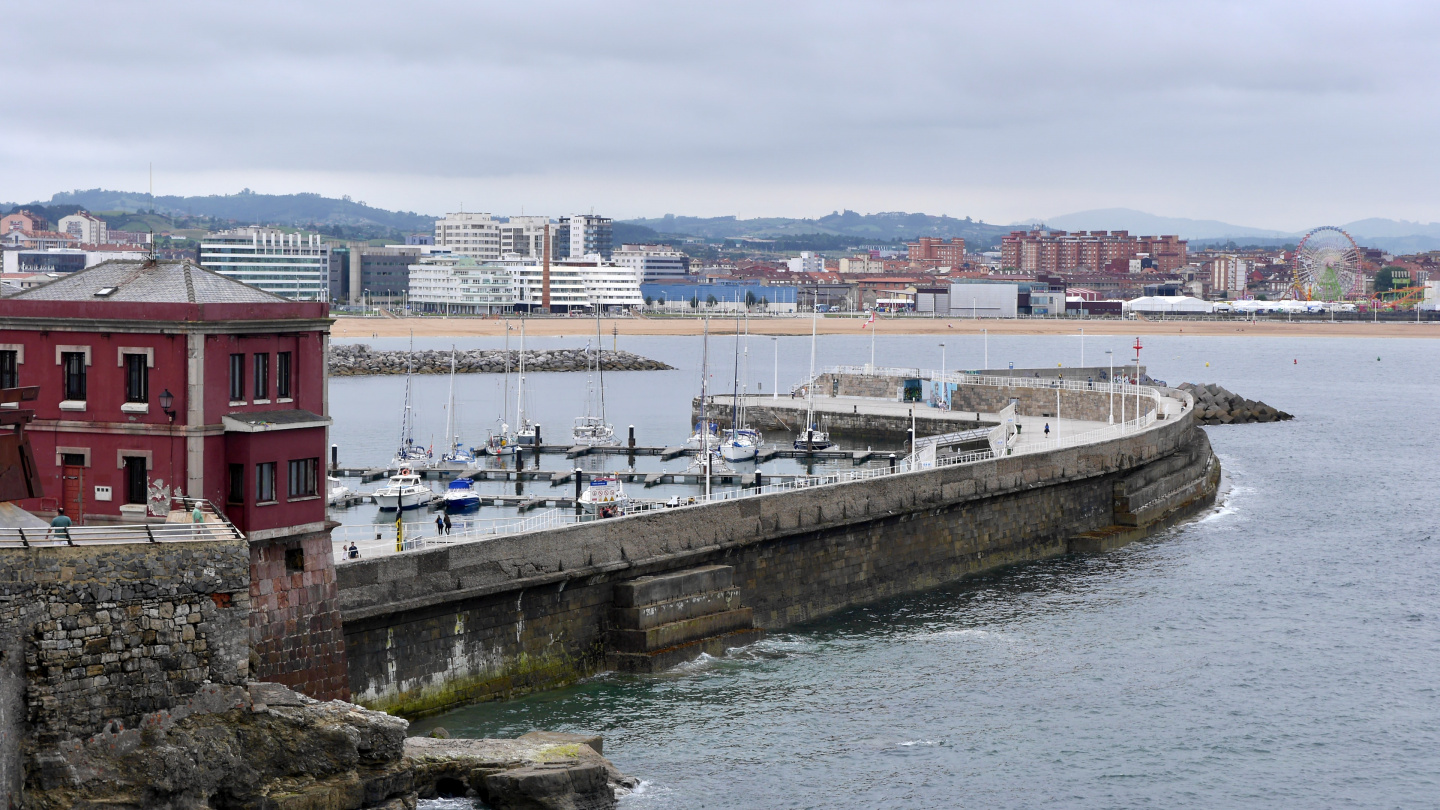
(1214, 405)
(358, 359)
(266, 746)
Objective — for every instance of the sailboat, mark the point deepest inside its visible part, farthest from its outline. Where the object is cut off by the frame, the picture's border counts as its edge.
(410, 454)
(455, 452)
(525, 435)
(707, 443)
(592, 429)
(504, 443)
(811, 438)
(738, 444)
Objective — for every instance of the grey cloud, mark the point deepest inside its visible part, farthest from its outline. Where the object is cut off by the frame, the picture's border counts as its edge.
(1125, 101)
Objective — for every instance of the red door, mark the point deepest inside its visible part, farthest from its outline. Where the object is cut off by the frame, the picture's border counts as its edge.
(72, 491)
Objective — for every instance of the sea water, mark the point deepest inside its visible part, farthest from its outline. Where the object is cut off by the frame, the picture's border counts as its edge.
(1279, 650)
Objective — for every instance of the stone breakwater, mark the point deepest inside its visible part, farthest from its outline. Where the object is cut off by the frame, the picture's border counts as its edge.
(1215, 405)
(354, 360)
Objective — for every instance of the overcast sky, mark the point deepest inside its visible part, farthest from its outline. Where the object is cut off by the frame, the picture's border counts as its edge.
(1270, 114)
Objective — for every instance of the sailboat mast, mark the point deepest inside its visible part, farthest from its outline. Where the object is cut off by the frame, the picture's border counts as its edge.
(450, 421)
(810, 387)
(735, 385)
(704, 413)
(520, 383)
(600, 365)
(505, 395)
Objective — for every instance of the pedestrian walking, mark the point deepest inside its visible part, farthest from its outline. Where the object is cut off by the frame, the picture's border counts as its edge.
(440, 524)
(1047, 430)
(60, 525)
(447, 522)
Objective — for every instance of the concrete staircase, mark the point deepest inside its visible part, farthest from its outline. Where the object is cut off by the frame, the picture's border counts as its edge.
(664, 620)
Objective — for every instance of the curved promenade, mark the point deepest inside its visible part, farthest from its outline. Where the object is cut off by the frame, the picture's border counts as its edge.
(496, 616)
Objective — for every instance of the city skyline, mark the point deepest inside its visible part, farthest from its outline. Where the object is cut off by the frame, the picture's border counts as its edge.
(1278, 116)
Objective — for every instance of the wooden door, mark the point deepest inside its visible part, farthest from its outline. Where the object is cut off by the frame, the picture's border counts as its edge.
(72, 495)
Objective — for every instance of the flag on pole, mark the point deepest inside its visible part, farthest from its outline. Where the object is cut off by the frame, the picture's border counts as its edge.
(870, 321)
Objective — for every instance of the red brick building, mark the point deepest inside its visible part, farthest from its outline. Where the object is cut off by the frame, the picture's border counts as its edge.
(162, 379)
(1042, 251)
(930, 250)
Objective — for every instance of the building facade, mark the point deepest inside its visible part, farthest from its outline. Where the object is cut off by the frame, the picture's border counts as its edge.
(654, 264)
(23, 220)
(806, 262)
(290, 265)
(1045, 251)
(575, 284)
(488, 238)
(587, 235)
(86, 229)
(160, 380)
(929, 250)
(460, 285)
(1228, 276)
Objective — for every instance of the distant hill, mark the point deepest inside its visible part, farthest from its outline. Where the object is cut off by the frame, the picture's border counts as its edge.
(249, 208)
(887, 226)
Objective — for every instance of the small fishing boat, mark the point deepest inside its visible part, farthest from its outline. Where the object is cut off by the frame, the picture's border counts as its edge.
(403, 492)
(336, 492)
(461, 496)
(605, 496)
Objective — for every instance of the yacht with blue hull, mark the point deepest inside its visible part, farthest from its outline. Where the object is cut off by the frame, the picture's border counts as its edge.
(461, 496)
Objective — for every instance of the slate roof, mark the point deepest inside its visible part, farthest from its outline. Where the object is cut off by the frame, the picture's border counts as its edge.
(162, 282)
(287, 417)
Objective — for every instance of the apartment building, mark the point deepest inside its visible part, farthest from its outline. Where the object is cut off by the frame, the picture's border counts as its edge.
(806, 262)
(460, 285)
(1228, 275)
(654, 264)
(291, 265)
(23, 220)
(1045, 251)
(587, 234)
(487, 237)
(929, 250)
(87, 229)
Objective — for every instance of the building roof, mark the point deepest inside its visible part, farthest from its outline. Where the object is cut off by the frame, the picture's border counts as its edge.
(162, 282)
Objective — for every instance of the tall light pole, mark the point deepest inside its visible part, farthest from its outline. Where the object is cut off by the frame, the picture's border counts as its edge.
(986, 333)
(944, 389)
(775, 391)
(1082, 348)
(1109, 355)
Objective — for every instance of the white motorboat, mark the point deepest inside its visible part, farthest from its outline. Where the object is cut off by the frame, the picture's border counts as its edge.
(605, 496)
(813, 439)
(403, 492)
(461, 496)
(336, 492)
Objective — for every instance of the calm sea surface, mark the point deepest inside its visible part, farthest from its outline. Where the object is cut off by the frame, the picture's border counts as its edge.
(1282, 650)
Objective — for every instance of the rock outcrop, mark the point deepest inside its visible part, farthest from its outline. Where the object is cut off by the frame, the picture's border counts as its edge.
(358, 359)
(269, 748)
(1216, 406)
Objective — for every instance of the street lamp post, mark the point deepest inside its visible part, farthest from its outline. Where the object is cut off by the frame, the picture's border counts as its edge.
(775, 391)
(986, 333)
(944, 390)
(1082, 348)
(1110, 356)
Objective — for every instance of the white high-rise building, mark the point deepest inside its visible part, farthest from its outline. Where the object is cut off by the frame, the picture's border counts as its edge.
(460, 285)
(577, 284)
(807, 262)
(588, 234)
(87, 229)
(654, 263)
(294, 265)
(487, 237)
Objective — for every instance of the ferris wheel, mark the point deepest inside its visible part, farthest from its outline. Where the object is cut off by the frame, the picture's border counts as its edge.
(1327, 266)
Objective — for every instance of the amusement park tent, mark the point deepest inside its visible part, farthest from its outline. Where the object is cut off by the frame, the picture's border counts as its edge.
(1170, 304)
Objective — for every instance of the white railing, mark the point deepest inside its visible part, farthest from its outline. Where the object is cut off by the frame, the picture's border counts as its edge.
(215, 527)
(378, 539)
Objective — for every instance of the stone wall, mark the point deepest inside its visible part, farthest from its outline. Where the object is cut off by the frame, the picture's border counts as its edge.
(888, 431)
(430, 630)
(1084, 405)
(295, 628)
(101, 636)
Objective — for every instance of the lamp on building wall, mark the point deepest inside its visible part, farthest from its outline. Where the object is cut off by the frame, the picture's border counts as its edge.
(167, 399)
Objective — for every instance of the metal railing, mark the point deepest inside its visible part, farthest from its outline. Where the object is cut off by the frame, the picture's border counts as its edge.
(378, 539)
(215, 527)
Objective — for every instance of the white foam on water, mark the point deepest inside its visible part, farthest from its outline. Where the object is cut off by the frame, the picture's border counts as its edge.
(909, 743)
(1228, 505)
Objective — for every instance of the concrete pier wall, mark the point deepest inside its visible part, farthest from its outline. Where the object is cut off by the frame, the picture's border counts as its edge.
(434, 629)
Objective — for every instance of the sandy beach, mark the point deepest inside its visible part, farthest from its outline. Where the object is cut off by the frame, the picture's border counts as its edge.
(349, 327)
